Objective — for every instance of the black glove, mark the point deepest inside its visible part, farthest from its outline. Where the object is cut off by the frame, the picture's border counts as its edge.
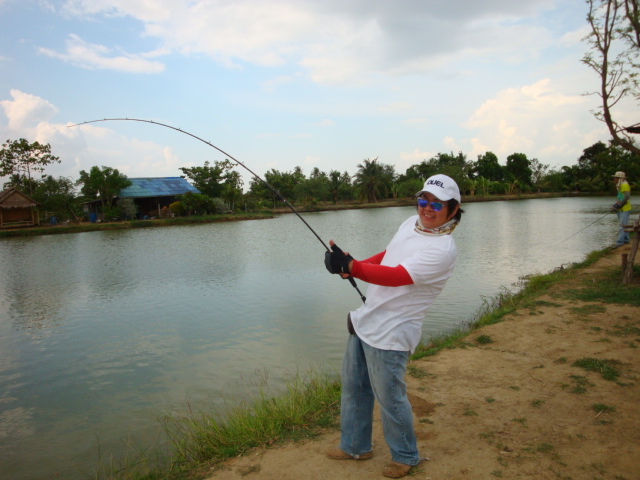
(615, 207)
(336, 261)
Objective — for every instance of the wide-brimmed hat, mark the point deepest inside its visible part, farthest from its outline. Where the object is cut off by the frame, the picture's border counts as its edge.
(443, 187)
(619, 175)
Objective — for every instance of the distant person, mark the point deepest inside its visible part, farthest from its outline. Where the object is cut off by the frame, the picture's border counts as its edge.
(622, 206)
(405, 279)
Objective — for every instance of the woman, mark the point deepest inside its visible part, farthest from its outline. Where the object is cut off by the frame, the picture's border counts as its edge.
(405, 280)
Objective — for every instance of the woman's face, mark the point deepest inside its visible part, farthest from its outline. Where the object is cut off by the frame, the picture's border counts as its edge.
(429, 217)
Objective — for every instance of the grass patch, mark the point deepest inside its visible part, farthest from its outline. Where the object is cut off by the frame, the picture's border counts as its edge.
(625, 330)
(580, 384)
(309, 404)
(607, 368)
(588, 310)
(417, 372)
(602, 408)
(608, 289)
(544, 447)
(484, 340)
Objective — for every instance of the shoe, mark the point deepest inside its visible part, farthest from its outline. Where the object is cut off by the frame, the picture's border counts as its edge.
(337, 454)
(396, 470)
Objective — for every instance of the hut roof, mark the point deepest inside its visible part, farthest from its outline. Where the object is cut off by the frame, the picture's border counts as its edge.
(157, 187)
(12, 198)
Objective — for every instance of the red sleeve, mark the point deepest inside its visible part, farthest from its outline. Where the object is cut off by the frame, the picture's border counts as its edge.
(376, 259)
(380, 274)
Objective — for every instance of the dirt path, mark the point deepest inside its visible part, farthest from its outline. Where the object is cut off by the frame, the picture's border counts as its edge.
(509, 408)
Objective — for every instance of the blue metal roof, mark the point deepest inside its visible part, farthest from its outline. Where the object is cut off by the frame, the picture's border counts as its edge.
(157, 187)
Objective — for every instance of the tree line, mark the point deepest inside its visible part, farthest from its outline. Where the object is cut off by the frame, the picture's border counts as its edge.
(613, 52)
(221, 187)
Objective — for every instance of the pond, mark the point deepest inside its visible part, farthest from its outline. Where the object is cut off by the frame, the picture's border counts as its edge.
(102, 333)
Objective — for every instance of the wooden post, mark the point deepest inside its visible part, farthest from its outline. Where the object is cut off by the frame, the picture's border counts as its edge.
(626, 278)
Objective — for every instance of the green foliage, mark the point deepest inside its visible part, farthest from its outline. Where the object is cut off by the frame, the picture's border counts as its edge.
(198, 204)
(128, 208)
(374, 180)
(211, 179)
(519, 171)
(57, 197)
(21, 160)
(487, 167)
(102, 184)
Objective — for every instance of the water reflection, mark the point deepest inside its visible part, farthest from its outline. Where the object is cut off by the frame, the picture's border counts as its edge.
(102, 332)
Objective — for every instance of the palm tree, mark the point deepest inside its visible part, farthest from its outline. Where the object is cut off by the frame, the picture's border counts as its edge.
(370, 179)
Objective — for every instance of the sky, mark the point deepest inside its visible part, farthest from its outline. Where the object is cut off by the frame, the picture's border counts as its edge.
(284, 83)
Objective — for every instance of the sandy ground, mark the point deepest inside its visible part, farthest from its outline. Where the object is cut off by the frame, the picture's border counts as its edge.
(506, 409)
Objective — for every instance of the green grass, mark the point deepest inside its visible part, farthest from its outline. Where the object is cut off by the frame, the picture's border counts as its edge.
(606, 367)
(602, 408)
(608, 289)
(483, 340)
(417, 372)
(196, 441)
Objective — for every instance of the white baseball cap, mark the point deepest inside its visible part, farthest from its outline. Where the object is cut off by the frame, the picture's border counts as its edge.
(443, 187)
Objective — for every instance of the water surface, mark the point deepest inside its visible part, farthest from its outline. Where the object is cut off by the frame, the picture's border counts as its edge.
(103, 332)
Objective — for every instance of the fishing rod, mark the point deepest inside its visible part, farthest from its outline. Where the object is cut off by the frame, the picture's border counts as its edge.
(583, 228)
(293, 209)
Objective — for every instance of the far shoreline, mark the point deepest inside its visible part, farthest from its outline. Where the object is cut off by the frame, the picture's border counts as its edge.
(261, 215)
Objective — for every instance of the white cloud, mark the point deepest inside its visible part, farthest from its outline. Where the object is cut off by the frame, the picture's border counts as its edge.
(535, 119)
(26, 110)
(83, 146)
(93, 56)
(335, 41)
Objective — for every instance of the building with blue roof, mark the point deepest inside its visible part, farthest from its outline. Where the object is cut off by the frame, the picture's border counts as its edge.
(151, 194)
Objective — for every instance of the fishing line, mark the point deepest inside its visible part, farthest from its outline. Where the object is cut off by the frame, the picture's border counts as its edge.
(293, 209)
(583, 229)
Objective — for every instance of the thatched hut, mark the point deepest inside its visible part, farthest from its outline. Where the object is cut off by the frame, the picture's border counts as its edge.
(17, 209)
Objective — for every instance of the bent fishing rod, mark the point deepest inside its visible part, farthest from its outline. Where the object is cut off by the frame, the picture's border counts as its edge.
(293, 209)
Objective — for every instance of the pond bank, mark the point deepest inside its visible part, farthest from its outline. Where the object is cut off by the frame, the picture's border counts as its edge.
(240, 216)
(551, 391)
(544, 384)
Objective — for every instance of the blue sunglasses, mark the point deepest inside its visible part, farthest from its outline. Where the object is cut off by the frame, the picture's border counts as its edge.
(437, 206)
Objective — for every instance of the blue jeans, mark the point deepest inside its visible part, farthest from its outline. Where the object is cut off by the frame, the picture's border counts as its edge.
(369, 373)
(623, 219)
